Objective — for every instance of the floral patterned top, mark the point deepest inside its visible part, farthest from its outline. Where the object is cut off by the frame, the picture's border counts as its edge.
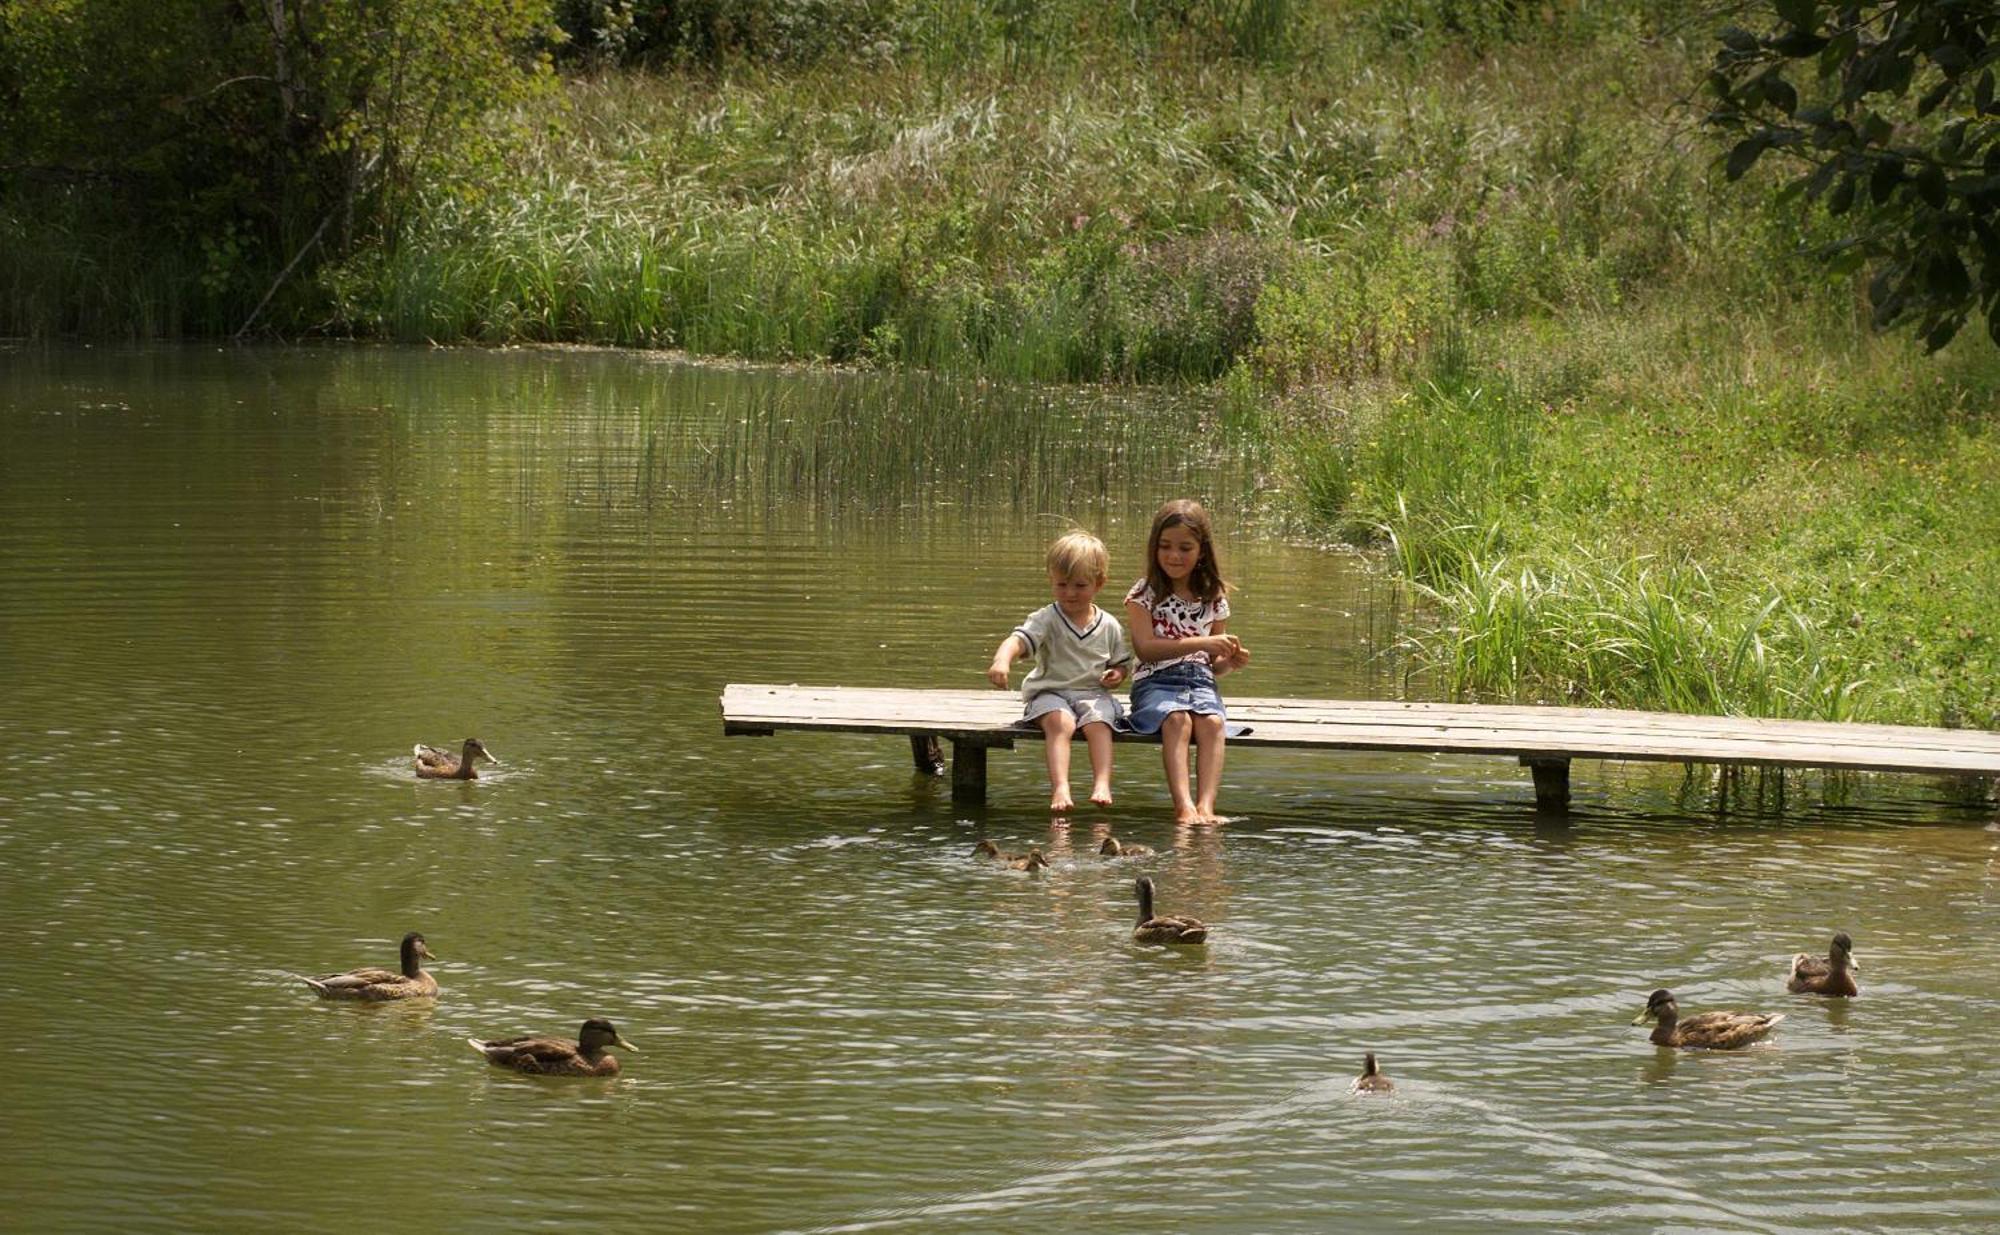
(1174, 618)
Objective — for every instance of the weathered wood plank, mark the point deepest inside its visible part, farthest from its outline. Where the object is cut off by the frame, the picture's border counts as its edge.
(1361, 725)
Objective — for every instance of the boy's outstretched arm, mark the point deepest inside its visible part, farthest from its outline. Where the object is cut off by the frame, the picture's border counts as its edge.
(1003, 660)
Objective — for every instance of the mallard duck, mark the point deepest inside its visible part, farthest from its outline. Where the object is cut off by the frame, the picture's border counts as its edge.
(1715, 1031)
(1832, 975)
(1029, 861)
(582, 1056)
(377, 985)
(436, 763)
(1164, 929)
(1112, 849)
(1371, 1079)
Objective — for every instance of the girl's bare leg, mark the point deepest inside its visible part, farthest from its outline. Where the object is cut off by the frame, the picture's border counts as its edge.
(1097, 735)
(1209, 736)
(1174, 733)
(1059, 728)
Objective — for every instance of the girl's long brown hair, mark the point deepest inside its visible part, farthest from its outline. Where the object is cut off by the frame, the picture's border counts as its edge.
(1205, 581)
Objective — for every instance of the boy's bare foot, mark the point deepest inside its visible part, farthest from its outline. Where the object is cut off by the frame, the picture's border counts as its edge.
(1186, 815)
(1101, 796)
(1060, 801)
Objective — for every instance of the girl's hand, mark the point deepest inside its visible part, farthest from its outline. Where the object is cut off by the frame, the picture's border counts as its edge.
(996, 673)
(1112, 676)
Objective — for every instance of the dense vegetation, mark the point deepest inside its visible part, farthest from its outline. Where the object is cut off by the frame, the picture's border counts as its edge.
(1473, 270)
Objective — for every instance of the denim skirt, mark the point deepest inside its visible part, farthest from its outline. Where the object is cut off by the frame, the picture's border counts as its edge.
(1177, 688)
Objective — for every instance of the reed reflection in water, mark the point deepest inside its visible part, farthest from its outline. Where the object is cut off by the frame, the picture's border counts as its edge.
(234, 589)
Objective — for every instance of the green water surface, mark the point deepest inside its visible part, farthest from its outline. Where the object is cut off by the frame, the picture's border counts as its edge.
(235, 587)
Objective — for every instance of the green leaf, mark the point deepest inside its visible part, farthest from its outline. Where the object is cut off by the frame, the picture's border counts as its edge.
(1798, 44)
(1745, 155)
(1946, 277)
(1842, 196)
(1982, 92)
(1993, 323)
(1883, 180)
(1931, 186)
(1940, 334)
(1736, 38)
(1934, 96)
(1781, 94)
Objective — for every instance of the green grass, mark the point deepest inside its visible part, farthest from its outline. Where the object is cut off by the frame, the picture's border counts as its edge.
(1475, 283)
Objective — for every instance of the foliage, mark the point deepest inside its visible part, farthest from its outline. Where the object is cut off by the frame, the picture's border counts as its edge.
(246, 135)
(1916, 185)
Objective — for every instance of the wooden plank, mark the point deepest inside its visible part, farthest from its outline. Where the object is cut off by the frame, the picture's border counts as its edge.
(1520, 731)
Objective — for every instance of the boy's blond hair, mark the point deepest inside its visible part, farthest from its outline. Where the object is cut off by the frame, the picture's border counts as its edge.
(1078, 554)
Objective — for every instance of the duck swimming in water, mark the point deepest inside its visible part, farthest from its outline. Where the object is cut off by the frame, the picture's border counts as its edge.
(381, 985)
(538, 1056)
(1029, 861)
(1715, 1031)
(437, 763)
(1371, 1079)
(1832, 974)
(1165, 928)
(1111, 848)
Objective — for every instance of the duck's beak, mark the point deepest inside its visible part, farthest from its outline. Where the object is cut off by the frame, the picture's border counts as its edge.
(490, 758)
(426, 953)
(1643, 1017)
(627, 1045)
(1854, 962)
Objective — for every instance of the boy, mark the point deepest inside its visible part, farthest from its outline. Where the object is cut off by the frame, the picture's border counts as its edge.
(1080, 653)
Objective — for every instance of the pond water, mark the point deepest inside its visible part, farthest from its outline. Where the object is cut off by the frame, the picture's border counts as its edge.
(236, 586)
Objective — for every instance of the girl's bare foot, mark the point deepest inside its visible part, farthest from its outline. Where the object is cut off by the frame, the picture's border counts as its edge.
(1100, 795)
(1061, 802)
(1186, 815)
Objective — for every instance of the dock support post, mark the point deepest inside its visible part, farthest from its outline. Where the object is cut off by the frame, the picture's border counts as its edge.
(968, 771)
(927, 753)
(1551, 783)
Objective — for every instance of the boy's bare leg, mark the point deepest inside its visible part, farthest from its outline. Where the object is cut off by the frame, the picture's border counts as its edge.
(1097, 736)
(1059, 728)
(1209, 739)
(1174, 732)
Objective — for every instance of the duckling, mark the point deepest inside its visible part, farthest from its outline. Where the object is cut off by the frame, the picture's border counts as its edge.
(583, 1056)
(1112, 849)
(378, 985)
(1166, 928)
(1716, 1031)
(1371, 1079)
(1832, 976)
(436, 763)
(1030, 861)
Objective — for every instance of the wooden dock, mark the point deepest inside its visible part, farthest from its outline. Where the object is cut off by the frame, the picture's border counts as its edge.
(1543, 739)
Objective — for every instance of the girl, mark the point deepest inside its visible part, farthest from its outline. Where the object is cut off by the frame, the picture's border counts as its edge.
(1179, 616)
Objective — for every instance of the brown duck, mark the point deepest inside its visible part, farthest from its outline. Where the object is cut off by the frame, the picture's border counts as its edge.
(1029, 861)
(1371, 1079)
(582, 1056)
(1111, 848)
(437, 763)
(1832, 974)
(1715, 1031)
(1164, 928)
(379, 985)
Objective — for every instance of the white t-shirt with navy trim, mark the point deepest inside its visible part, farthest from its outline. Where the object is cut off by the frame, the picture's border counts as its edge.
(1071, 657)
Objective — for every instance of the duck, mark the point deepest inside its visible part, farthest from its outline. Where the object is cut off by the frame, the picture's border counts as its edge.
(1165, 928)
(1715, 1031)
(1112, 849)
(1030, 861)
(437, 763)
(1371, 1079)
(1831, 975)
(380, 985)
(582, 1056)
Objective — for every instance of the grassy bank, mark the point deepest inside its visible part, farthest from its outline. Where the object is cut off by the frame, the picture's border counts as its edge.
(1481, 289)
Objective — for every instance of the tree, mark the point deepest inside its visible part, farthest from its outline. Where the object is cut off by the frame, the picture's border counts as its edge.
(256, 131)
(1886, 113)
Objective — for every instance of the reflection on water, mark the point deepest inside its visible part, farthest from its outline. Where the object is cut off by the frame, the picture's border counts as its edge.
(235, 589)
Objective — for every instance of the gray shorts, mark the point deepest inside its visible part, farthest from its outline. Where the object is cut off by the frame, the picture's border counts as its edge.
(1094, 706)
